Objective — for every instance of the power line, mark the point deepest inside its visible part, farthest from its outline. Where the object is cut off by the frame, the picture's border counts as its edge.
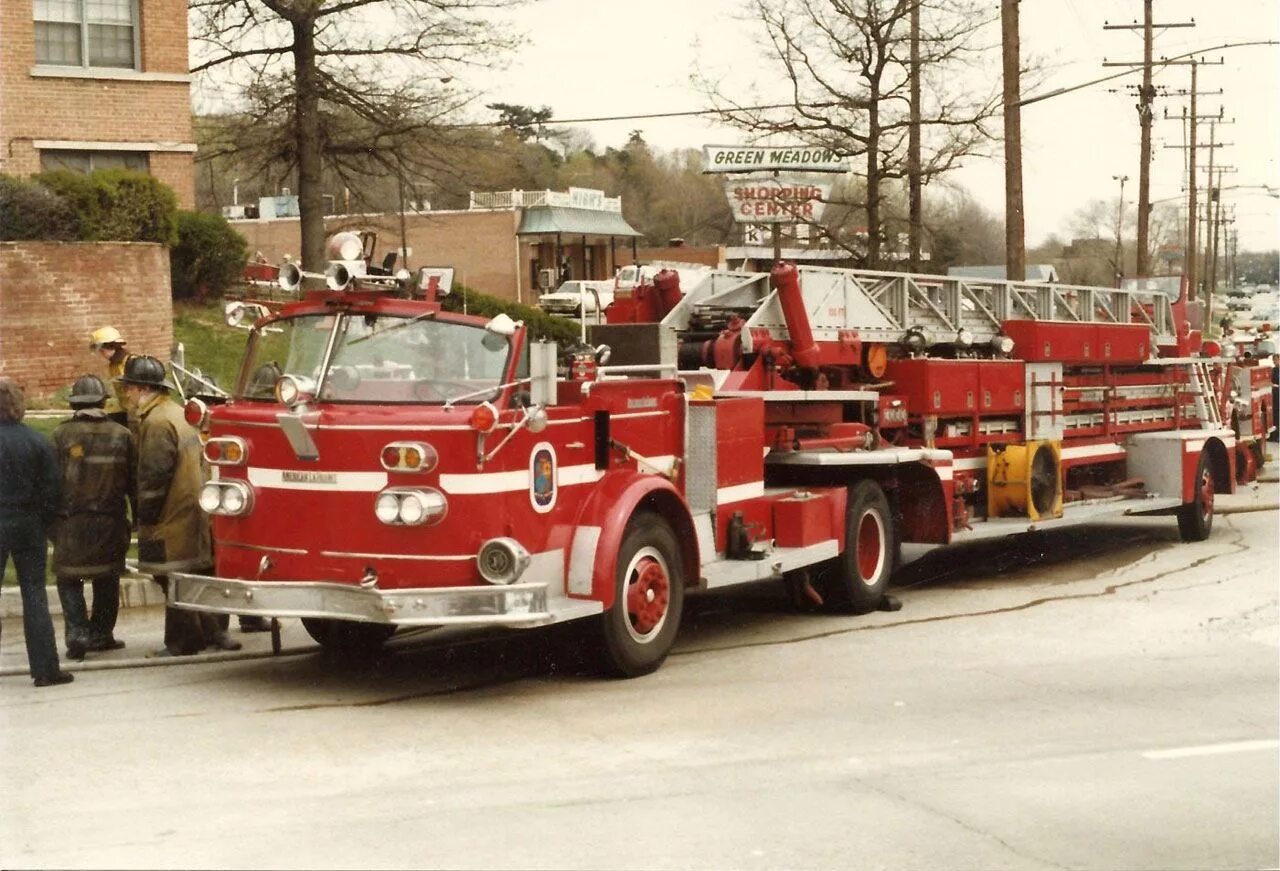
(1036, 98)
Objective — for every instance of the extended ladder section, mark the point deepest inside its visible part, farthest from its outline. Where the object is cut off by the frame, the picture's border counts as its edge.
(882, 306)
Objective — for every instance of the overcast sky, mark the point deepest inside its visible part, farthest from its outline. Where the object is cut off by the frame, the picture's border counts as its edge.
(588, 58)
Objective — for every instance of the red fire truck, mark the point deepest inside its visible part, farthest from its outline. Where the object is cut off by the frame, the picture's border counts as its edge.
(383, 463)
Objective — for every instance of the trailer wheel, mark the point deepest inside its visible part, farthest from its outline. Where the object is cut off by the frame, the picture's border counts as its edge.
(640, 629)
(347, 637)
(1195, 519)
(859, 577)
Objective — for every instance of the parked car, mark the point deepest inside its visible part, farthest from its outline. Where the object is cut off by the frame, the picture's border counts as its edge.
(578, 298)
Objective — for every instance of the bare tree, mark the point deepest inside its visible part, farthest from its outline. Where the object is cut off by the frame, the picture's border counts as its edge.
(847, 66)
(356, 82)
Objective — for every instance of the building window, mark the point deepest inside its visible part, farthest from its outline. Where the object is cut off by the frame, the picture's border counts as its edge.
(87, 33)
(88, 161)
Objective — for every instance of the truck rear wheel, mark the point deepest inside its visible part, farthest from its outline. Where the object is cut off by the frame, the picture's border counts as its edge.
(347, 637)
(1195, 519)
(858, 579)
(640, 629)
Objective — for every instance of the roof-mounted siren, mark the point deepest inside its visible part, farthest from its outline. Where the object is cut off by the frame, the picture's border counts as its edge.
(291, 275)
(339, 274)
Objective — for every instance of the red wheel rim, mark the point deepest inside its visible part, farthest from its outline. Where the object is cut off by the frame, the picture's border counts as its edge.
(870, 544)
(648, 594)
(1206, 495)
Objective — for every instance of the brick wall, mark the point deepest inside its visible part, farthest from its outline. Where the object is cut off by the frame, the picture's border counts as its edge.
(98, 109)
(54, 294)
(480, 246)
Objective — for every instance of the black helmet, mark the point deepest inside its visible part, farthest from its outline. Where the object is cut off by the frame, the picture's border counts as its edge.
(87, 392)
(144, 371)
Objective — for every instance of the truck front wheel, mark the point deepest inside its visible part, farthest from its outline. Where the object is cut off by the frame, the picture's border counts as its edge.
(347, 637)
(857, 579)
(640, 629)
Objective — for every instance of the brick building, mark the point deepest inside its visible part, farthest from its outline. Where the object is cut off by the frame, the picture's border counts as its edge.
(94, 84)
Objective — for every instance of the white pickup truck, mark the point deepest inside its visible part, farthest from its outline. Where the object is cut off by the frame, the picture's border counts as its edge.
(578, 298)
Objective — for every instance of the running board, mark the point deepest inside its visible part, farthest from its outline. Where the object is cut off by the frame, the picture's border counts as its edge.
(730, 572)
(1074, 514)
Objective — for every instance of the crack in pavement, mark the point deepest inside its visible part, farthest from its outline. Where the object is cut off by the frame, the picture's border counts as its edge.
(921, 805)
(392, 700)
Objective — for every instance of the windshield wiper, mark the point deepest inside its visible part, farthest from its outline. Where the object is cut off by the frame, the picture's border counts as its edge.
(474, 393)
(374, 333)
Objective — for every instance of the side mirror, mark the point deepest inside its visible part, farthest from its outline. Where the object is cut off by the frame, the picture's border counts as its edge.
(535, 419)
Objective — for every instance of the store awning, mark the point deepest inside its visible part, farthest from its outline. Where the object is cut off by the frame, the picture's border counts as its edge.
(549, 220)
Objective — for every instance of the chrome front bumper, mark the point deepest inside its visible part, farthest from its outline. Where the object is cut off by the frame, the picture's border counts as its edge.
(513, 605)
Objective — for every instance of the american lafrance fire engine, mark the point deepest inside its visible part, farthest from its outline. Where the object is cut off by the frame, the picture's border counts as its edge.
(383, 463)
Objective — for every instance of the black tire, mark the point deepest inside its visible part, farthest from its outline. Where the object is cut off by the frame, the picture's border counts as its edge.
(1195, 518)
(858, 579)
(348, 637)
(640, 629)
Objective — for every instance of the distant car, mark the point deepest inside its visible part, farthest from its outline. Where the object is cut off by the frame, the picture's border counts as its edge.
(578, 298)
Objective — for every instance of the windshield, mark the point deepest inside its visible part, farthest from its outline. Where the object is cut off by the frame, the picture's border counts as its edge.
(378, 358)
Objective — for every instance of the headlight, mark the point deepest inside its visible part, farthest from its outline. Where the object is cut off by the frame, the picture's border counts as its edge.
(412, 511)
(387, 508)
(234, 500)
(210, 497)
(410, 507)
(227, 498)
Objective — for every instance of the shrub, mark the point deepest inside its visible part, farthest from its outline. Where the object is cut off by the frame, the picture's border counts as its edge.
(208, 258)
(117, 205)
(31, 211)
(541, 325)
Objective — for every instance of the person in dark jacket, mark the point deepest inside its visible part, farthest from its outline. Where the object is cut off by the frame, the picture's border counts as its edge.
(173, 533)
(98, 462)
(28, 503)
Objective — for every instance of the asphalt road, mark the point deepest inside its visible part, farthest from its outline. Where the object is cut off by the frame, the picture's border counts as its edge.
(1104, 698)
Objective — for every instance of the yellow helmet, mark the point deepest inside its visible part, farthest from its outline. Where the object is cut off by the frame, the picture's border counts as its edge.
(105, 336)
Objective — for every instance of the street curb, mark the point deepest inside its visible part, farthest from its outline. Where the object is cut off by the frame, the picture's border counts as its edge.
(162, 661)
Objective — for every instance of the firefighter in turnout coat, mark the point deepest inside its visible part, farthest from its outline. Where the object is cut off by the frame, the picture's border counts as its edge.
(97, 459)
(173, 533)
(110, 345)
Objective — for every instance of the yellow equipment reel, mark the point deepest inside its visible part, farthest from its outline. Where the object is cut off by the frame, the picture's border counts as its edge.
(1025, 480)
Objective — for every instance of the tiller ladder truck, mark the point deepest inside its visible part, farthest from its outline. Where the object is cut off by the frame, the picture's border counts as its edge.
(383, 463)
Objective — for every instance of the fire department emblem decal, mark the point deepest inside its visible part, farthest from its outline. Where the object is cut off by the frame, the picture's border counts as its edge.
(542, 477)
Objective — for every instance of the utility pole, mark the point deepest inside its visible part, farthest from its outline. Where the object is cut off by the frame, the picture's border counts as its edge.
(1119, 260)
(1146, 96)
(914, 186)
(1015, 255)
(1215, 196)
(1191, 254)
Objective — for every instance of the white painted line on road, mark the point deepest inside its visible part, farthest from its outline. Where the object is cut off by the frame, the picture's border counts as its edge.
(1212, 749)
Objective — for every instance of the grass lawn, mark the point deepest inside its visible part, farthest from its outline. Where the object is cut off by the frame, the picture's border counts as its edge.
(211, 346)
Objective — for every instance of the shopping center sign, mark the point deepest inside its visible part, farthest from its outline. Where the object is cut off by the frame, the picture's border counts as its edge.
(784, 199)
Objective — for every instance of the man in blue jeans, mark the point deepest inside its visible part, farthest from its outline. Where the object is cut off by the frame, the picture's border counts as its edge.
(29, 495)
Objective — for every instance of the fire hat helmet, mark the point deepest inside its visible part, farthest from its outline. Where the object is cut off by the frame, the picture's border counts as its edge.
(105, 336)
(87, 391)
(144, 371)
